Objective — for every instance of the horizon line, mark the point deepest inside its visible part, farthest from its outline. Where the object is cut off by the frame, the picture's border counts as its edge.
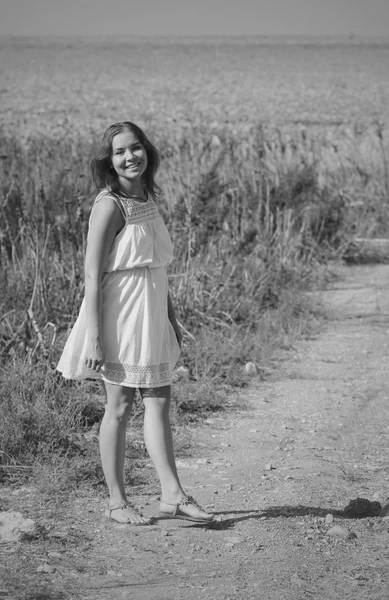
(350, 35)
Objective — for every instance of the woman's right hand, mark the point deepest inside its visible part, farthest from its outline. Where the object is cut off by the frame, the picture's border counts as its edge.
(95, 355)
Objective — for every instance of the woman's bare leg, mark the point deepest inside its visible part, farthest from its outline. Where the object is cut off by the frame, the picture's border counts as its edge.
(112, 449)
(159, 443)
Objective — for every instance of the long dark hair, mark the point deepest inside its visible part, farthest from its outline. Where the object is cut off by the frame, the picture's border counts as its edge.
(104, 175)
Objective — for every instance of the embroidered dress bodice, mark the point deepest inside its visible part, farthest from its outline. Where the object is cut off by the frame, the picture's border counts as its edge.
(144, 240)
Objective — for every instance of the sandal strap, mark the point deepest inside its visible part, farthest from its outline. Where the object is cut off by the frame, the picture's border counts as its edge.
(184, 501)
(119, 507)
(190, 500)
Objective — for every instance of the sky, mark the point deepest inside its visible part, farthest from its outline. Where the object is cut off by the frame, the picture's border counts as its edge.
(195, 17)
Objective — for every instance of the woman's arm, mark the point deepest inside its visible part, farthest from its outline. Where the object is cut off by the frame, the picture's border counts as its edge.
(106, 220)
(173, 320)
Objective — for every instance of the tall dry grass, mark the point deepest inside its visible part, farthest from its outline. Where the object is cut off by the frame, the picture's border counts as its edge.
(254, 215)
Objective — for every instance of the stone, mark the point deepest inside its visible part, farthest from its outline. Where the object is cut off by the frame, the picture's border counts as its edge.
(269, 467)
(337, 531)
(296, 580)
(13, 525)
(180, 374)
(235, 539)
(329, 519)
(215, 141)
(250, 368)
(46, 568)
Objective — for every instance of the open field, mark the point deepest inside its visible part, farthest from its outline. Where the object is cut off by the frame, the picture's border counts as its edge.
(83, 85)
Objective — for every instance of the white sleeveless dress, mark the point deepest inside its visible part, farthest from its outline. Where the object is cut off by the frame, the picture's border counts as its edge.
(141, 348)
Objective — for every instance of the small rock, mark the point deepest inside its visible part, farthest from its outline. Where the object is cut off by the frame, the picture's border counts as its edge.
(250, 368)
(215, 141)
(180, 374)
(269, 467)
(61, 535)
(13, 525)
(329, 519)
(338, 531)
(235, 540)
(46, 568)
(203, 461)
(296, 580)
(288, 477)
(360, 577)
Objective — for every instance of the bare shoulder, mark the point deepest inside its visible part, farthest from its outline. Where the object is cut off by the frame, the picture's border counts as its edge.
(106, 209)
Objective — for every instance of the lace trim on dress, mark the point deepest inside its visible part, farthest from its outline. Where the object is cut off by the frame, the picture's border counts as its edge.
(124, 374)
(138, 374)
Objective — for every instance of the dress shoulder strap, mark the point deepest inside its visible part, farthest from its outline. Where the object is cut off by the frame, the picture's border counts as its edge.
(107, 194)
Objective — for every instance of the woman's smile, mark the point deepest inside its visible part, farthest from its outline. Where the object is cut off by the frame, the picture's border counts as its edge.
(129, 156)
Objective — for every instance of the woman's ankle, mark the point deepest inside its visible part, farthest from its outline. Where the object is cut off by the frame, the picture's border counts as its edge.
(117, 500)
(172, 495)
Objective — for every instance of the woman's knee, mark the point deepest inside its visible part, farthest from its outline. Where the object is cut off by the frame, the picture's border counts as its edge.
(156, 398)
(119, 401)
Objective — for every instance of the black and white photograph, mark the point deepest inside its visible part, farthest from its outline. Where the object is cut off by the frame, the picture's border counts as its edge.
(194, 300)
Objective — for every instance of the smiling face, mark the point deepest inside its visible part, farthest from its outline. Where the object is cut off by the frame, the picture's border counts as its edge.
(129, 158)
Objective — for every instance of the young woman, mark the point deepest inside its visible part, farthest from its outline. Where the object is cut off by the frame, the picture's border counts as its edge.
(126, 333)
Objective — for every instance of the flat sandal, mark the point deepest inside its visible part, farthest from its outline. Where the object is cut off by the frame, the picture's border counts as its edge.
(110, 510)
(174, 511)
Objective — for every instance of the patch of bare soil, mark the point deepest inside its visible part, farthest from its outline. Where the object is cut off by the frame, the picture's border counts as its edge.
(299, 447)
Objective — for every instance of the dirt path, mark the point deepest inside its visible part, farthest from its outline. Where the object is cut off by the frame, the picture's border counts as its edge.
(323, 424)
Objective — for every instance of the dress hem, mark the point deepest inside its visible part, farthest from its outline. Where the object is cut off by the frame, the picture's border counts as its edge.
(128, 384)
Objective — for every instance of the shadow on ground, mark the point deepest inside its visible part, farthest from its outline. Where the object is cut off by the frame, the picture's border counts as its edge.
(270, 513)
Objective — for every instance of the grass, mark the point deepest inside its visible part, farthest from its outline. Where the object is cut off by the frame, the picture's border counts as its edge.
(256, 212)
